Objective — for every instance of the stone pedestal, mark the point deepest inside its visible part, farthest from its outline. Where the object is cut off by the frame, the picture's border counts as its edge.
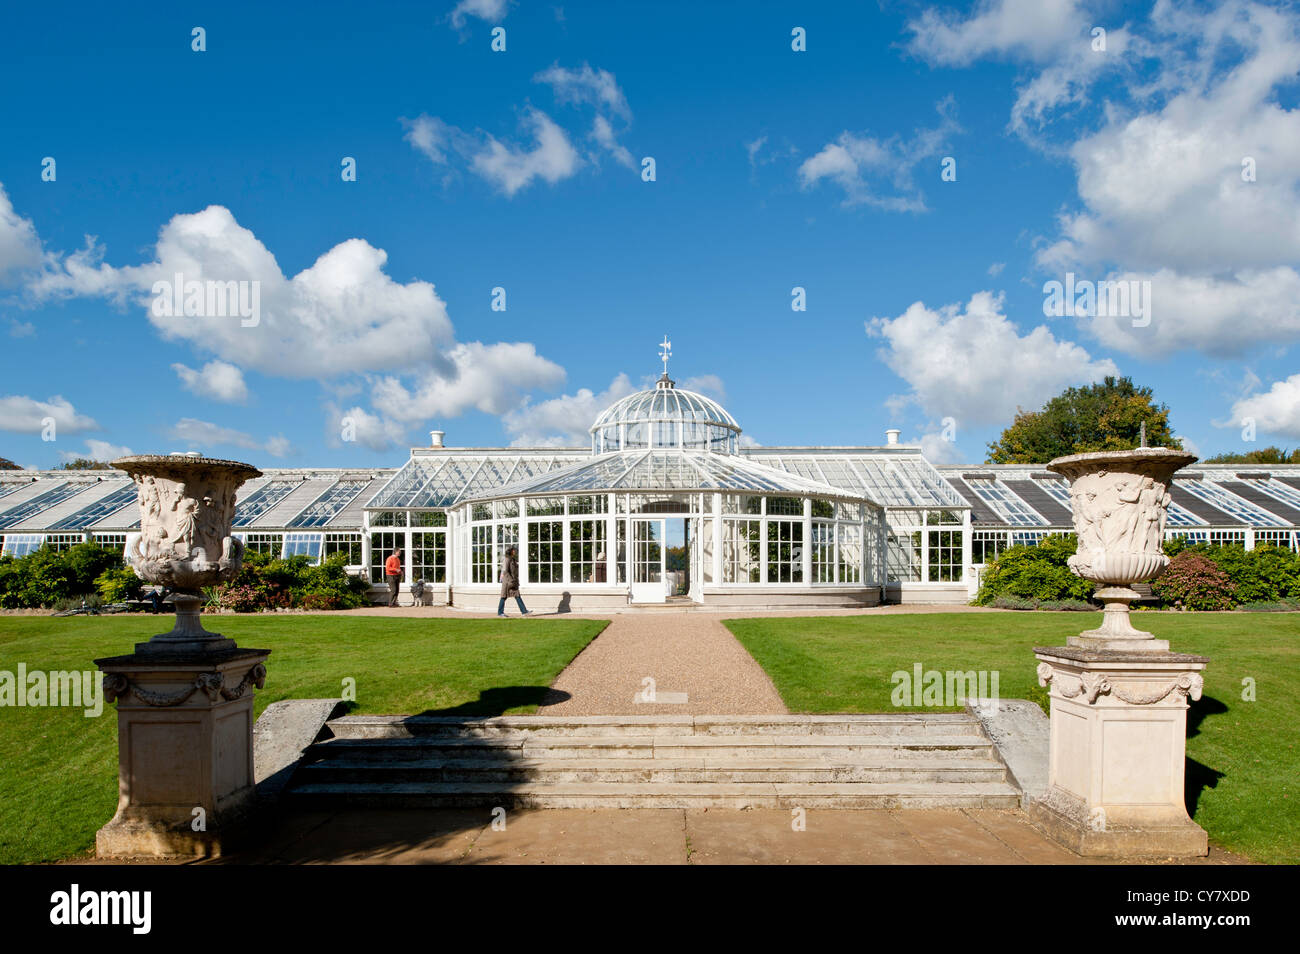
(1118, 739)
(185, 728)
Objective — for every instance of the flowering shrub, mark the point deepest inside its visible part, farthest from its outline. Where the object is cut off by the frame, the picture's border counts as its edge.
(1195, 582)
(266, 583)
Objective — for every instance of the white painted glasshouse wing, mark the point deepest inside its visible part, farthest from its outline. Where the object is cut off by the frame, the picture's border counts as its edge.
(666, 505)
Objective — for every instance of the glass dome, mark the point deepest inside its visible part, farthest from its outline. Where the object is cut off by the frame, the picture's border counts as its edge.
(665, 417)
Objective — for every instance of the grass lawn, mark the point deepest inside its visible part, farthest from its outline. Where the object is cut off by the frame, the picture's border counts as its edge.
(58, 769)
(1243, 758)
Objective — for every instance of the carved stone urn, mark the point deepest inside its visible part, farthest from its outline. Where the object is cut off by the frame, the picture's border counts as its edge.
(1119, 697)
(1120, 501)
(187, 505)
(184, 698)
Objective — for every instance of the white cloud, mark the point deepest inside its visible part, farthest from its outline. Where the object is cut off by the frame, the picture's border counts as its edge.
(603, 133)
(1224, 317)
(1275, 411)
(25, 415)
(878, 172)
(563, 421)
(97, 450)
(972, 363)
(217, 380)
(1034, 28)
(491, 11)
(341, 315)
(21, 329)
(356, 424)
(1201, 94)
(20, 249)
(506, 166)
(489, 378)
(586, 85)
(938, 450)
(996, 268)
(204, 433)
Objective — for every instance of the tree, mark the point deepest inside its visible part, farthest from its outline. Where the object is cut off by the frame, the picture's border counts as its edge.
(83, 463)
(1265, 455)
(7, 464)
(1102, 416)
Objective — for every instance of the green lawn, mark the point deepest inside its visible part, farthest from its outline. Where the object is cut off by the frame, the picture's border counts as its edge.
(1243, 765)
(58, 769)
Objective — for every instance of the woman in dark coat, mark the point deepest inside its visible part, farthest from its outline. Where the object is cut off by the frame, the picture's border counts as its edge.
(510, 582)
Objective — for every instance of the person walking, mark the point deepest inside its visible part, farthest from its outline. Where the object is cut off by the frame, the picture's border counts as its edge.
(510, 582)
(393, 570)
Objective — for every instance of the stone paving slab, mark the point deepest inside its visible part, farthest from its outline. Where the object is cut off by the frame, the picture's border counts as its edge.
(664, 836)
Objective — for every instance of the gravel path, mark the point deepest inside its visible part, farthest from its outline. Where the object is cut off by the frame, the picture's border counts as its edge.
(697, 666)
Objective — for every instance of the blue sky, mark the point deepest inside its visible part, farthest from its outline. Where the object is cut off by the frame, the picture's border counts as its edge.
(522, 169)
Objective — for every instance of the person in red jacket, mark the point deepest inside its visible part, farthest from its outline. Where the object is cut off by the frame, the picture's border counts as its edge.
(393, 570)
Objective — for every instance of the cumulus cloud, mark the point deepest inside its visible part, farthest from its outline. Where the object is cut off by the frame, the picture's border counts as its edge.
(1275, 411)
(205, 434)
(21, 329)
(564, 420)
(489, 378)
(343, 314)
(1034, 28)
(97, 450)
(20, 248)
(971, 363)
(26, 415)
(1224, 317)
(879, 172)
(218, 380)
(1184, 162)
(357, 425)
(939, 450)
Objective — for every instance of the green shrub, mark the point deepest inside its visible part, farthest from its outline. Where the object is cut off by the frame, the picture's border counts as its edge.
(118, 584)
(1265, 574)
(1036, 573)
(1195, 582)
(46, 578)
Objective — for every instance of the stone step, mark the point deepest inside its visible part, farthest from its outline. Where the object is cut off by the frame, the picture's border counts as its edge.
(843, 748)
(656, 771)
(890, 724)
(686, 795)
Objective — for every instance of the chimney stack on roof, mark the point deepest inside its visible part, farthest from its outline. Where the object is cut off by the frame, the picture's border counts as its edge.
(435, 438)
(891, 435)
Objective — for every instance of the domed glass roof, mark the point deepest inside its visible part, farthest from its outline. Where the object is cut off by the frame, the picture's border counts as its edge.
(665, 417)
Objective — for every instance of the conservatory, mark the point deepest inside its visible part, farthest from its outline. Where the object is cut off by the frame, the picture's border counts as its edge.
(664, 523)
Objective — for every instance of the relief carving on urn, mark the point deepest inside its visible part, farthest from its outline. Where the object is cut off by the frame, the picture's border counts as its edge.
(187, 506)
(1120, 501)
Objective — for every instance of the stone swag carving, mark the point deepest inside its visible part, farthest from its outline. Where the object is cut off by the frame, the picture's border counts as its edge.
(1090, 685)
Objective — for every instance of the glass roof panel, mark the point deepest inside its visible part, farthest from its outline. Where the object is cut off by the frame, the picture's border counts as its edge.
(329, 504)
(17, 514)
(98, 510)
(668, 471)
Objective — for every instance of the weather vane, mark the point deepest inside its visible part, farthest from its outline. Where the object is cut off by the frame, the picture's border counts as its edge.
(666, 353)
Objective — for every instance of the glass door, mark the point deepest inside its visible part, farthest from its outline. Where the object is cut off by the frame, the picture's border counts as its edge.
(648, 577)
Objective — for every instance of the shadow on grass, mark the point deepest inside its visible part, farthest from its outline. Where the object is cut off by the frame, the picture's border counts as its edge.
(498, 701)
(1197, 777)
